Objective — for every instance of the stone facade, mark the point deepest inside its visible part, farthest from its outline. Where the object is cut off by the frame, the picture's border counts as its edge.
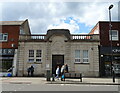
(59, 42)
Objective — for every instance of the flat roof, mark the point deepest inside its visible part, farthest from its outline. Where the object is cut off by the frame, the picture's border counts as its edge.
(11, 22)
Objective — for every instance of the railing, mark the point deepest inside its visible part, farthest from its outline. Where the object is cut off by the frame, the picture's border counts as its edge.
(81, 37)
(85, 37)
(38, 36)
(73, 37)
(32, 37)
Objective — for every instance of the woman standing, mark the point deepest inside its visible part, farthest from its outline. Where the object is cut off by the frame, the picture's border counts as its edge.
(57, 72)
(62, 72)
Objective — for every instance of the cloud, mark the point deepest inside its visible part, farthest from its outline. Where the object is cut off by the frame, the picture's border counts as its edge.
(65, 23)
(45, 15)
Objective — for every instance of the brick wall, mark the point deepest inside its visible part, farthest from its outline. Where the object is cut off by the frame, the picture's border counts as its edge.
(13, 36)
(104, 33)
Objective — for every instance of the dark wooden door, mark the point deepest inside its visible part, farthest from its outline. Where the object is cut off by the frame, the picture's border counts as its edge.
(57, 60)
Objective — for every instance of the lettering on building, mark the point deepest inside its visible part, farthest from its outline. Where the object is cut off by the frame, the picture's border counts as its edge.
(116, 50)
(6, 51)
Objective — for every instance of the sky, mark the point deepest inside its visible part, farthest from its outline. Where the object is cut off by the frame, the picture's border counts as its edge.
(78, 17)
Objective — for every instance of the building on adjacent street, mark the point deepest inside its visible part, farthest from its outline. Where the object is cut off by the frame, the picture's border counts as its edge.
(9, 37)
(58, 47)
(105, 54)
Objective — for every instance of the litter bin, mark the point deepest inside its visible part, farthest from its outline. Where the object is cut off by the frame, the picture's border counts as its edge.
(48, 75)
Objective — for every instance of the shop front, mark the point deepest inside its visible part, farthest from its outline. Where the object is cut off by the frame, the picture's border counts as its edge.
(6, 57)
(108, 59)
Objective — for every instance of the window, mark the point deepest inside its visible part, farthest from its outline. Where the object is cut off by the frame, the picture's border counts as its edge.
(34, 56)
(22, 31)
(85, 56)
(77, 55)
(31, 53)
(3, 37)
(114, 35)
(5, 64)
(30, 60)
(38, 60)
(81, 56)
(38, 53)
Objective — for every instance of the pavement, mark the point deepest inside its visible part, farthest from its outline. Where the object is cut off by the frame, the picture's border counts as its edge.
(42, 80)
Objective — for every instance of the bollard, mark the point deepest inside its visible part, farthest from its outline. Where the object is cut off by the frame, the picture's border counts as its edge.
(80, 77)
(113, 76)
(53, 77)
(48, 75)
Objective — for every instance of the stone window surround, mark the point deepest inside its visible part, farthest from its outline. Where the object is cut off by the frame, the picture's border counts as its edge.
(35, 57)
(81, 57)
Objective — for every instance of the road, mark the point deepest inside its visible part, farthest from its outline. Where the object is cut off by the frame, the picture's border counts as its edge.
(58, 87)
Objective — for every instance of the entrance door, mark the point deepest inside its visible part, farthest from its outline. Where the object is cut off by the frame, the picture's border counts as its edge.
(57, 60)
(108, 68)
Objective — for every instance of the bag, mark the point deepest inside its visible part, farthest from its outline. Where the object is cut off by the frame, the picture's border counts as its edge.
(9, 75)
(65, 71)
(63, 76)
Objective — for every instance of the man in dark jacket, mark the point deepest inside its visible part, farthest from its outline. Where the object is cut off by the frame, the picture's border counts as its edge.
(28, 70)
(32, 71)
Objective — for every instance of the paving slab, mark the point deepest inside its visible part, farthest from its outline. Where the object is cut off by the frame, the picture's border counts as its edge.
(42, 80)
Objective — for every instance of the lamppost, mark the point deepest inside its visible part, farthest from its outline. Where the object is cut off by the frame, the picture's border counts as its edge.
(110, 26)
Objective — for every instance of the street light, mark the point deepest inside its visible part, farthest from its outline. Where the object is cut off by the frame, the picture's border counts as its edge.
(110, 26)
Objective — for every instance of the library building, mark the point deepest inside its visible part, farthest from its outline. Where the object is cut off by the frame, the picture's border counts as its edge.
(58, 47)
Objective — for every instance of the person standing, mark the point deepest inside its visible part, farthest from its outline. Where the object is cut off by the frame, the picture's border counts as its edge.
(62, 69)
(66, 68)
(62, 72)
(57, 72)
(28, 70)
(32, 71)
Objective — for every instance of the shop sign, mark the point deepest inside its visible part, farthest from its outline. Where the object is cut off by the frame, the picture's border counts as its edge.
(116, 50)
(117, 58)
(6, 51)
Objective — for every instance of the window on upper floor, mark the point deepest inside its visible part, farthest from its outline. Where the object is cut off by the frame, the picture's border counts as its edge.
(21, 31)
(3, 37)
(115, 35)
